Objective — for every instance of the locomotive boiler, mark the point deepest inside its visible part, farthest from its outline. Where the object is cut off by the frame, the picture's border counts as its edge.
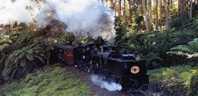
(122, 67)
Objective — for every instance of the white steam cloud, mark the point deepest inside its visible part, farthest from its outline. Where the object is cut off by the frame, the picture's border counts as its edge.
(18, 10)
(82, 17)
(109, 85)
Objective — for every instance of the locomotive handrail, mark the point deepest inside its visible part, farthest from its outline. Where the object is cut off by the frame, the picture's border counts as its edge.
(120, 60)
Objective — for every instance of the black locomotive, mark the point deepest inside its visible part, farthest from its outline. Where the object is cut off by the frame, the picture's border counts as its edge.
(107, 60)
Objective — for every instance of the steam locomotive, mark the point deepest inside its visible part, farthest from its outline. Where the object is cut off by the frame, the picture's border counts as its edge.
(100, 58)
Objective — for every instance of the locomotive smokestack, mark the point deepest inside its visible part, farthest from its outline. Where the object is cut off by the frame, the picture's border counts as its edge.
(82, 17)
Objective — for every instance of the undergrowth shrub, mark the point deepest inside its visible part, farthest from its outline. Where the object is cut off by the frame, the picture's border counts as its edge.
(153, 46)
(53, 81)
(175, 81)
(4, 41)
(187, 52)
(25, 60)
(194, 87)
(23, 53)
(121, 32)
(65, 38)
(187, 49)
(174, 88)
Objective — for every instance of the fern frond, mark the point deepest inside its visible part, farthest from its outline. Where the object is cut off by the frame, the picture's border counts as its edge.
(182, 48)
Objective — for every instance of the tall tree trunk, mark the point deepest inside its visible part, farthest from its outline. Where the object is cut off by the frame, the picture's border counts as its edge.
(160, 14)
(146, 16)
(124, 11)
(124, 8)
(190, 9)
(149, 9)
(157, 15)
(181, 8)
(115, 8)
(168, 17)
(130, 11)
(120, 7)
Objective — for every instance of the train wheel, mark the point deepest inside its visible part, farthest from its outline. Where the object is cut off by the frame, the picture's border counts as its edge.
(90, 66)
(144, 87)
(130, 84)
(95, 66)
(81, 65)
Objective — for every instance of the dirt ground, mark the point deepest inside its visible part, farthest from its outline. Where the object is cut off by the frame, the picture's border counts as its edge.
(95, 90)
(154, 88)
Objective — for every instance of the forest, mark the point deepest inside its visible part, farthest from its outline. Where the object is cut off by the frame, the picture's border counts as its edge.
(152, 15)
(162, 33)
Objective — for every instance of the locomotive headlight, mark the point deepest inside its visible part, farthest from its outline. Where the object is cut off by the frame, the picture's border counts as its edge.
(135, 69)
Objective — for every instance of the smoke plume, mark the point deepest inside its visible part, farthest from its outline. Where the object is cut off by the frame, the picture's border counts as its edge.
(109, 85)
(82, 17)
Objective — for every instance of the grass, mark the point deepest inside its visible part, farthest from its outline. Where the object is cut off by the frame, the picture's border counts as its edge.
(182, 73)
(56, 81)
(52, 81)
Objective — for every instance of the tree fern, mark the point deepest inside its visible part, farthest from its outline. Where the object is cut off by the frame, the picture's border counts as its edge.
(26, 59)
(190, 49)
(22, 54)
(194, 45)
(5, 41)
(182, 48)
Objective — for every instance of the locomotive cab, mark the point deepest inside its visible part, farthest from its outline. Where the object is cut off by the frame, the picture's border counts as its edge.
(63, 54)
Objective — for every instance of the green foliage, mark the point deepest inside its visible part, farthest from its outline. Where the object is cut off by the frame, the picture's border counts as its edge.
(181, 48)
(194, 87)
(23, 61)
(4, 41)
(160, 41)
(175, 81)
(65, 38)
(183, 24)
(24, 53)
(53, 81)
(154, 45)
(174, 88)
(69, 38)
(182, 73)
(7, 39)
(186, 50)
(84, 40)
(121, 32)
(177, 22)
